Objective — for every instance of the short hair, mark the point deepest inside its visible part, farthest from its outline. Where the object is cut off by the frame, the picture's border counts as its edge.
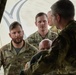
(14, 25)
(40, 14)
(64, 8)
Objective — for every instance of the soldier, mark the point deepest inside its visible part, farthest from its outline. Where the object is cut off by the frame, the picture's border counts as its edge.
(45, 44)
(15, 54)
(62, 55)
(53, 27)
(41, 21)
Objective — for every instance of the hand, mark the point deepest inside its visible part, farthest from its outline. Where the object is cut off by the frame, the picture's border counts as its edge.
(27, 65)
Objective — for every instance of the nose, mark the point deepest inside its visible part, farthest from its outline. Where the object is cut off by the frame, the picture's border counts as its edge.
(17, 34)
(42, 23)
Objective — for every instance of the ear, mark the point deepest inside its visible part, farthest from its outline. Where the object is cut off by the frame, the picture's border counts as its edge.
(36, 23)
(48, 21)
(58, 17)
(23, 32)
(9, 34)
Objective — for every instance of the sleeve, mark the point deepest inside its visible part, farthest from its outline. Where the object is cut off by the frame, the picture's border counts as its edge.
(22, 72)
(30, 47)
(35, 58)
(53, 59)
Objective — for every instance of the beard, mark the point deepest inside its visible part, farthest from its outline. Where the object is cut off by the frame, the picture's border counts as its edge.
(17, 40)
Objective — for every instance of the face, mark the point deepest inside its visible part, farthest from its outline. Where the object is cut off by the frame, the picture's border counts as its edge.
(42, 23)
(49, 18)
(16, 35)
(55, 20)
(45, 45)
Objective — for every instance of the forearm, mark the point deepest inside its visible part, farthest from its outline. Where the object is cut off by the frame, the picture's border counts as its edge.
(27, 72)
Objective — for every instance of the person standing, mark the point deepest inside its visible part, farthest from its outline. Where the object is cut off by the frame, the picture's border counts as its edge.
(15, 54)
(52, 26)
(62, 55)
(41, 21)
(45, 44)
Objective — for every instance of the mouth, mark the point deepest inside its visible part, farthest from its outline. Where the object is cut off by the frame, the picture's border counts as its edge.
(17, 39)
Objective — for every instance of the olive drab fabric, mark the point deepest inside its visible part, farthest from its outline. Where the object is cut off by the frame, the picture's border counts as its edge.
(12, 62)
(36, 38)
(61, 58)
(2, 7)
(54, 29)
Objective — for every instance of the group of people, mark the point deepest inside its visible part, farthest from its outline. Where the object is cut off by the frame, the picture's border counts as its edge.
(48, 52)
(14, 55)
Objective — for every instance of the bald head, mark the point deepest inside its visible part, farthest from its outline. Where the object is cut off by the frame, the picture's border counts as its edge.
(45, 44)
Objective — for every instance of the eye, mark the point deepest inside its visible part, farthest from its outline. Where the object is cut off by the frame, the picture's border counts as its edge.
(48, 48)
(44, 21)
(19, 32)
(14, 33)
(39, 22)
(45, 48)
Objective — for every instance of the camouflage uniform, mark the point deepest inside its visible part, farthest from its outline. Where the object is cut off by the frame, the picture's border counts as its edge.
(54, 29)
(36, 38)
(61, 57)
(12, 62)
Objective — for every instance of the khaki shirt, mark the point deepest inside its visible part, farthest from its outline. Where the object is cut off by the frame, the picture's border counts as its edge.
(36, 38)
(12, 62)
(54, 29)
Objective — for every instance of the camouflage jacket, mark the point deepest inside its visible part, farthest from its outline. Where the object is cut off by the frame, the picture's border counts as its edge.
(12, 62)
(36, 38)
(54, 29)
(61, 58)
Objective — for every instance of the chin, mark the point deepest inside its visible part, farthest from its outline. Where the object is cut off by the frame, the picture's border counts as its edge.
(18, 42)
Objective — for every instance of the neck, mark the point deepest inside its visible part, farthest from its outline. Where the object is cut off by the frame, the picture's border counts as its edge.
(64, 23)
(43, 33)
(18, 45)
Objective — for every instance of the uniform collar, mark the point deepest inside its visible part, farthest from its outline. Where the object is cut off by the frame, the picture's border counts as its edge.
(11, 46)
(69, 23)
